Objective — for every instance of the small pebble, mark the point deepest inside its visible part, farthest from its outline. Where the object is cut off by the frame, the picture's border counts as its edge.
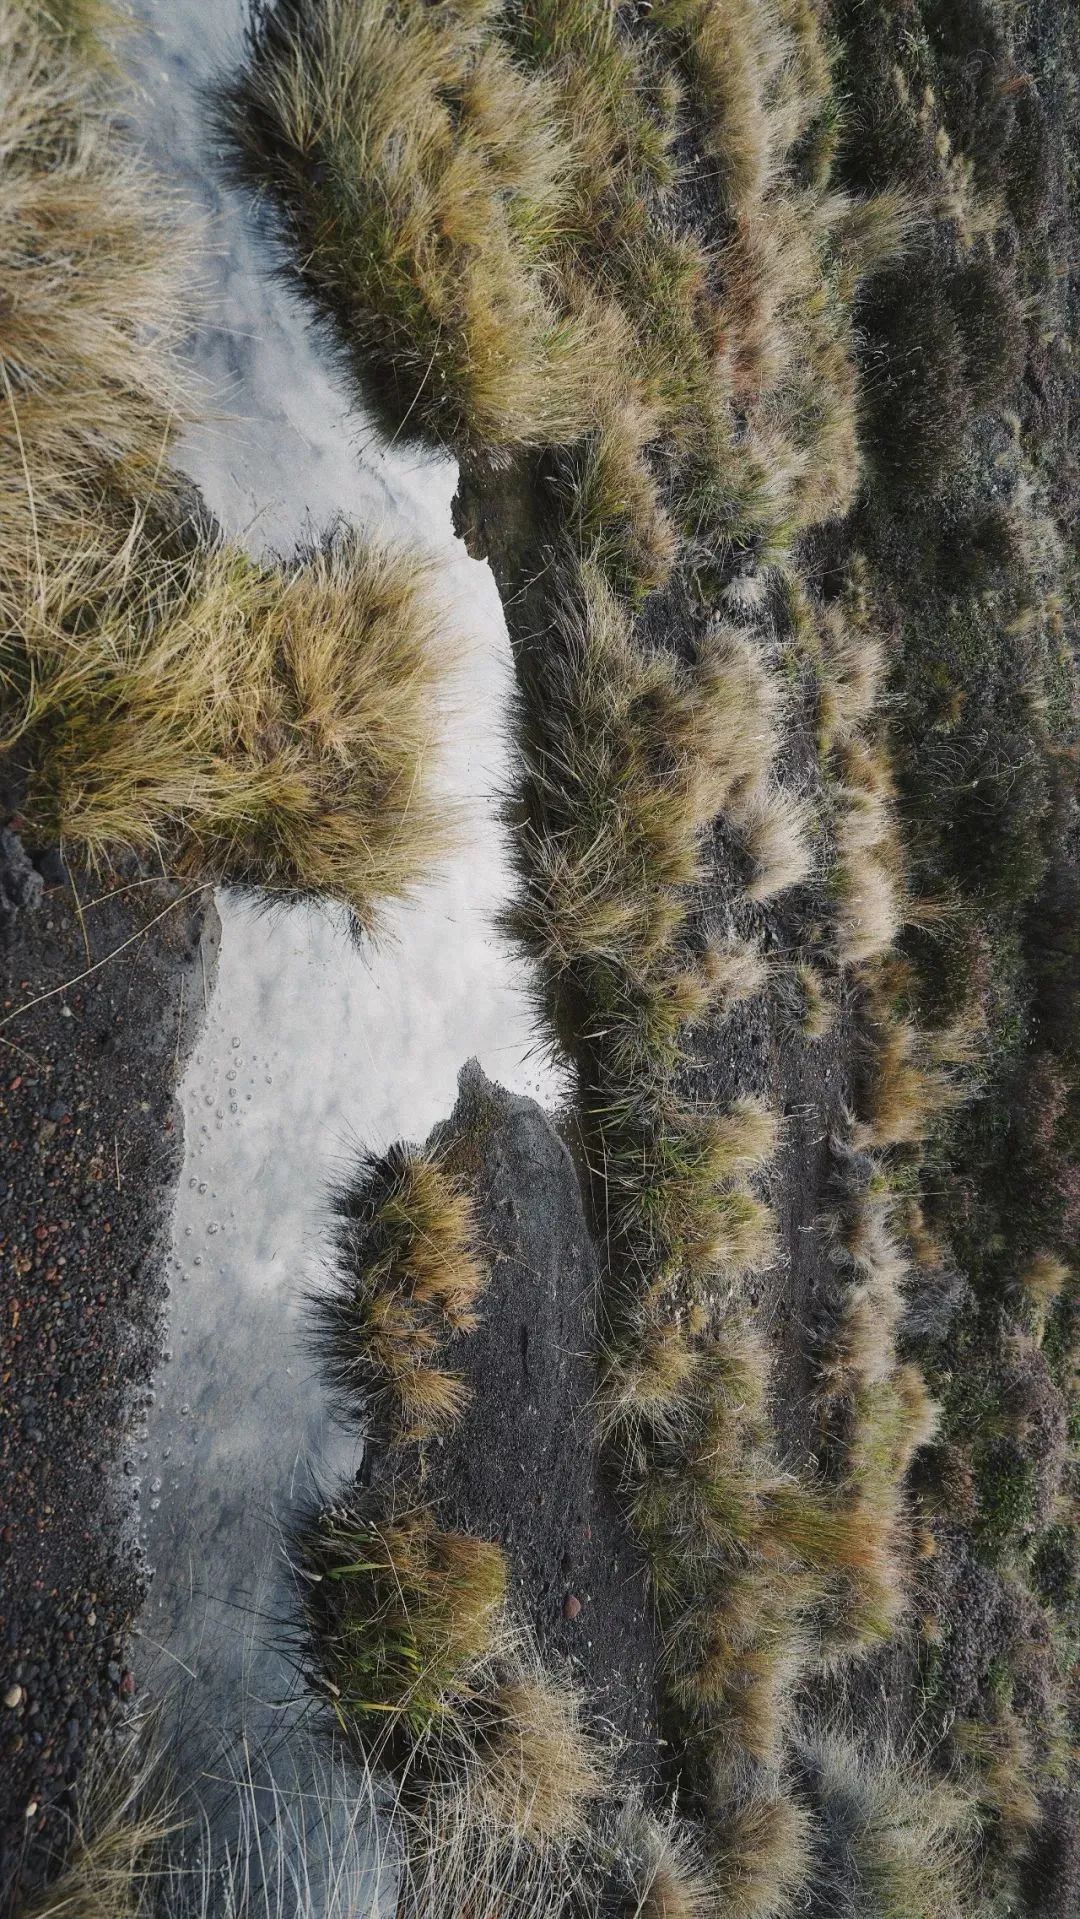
(13, 1697)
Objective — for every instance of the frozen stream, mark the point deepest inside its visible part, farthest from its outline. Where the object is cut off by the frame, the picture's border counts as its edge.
(309, 1047)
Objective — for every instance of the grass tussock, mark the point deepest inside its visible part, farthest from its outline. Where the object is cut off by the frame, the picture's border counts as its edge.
(745, 1558)
(815, 1008)
(628, 761)
(1043, 1280)
(419, 1662)
(407, 1277)
(867, 882)
(891, 1831)
(480, 203)
(762, 82)
(909, 1083)
(400, 1613)
(420, 179)
(875, 1413)
(1003, 1772)
(761, 1849)
(112, 1846)
(775, 825)
(272, 729)
(531, 1769)
(662, 1871)
(92, 258)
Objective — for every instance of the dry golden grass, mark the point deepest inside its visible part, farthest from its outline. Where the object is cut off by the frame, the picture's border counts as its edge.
(750, 1564)
(532, 1770)
(86, 26)
(908, 1085)
(664, 1868)
(614, 509)
(650, 1384)
(1004, 1773)
(672, 1184)
(874, 1415)
(761, 1852)
(907, 1839)
(274, 729)
(867, 883)
(477, 203)
(775, 825)
(735, 971)
(763, 74)
(872, 1269)
(111, 1848)
(401, 1616)
(407, 1276)
(852, 659)
(91, 263)
(1042, 1281)
(816, 1007)
(421, 182)
(628, 758)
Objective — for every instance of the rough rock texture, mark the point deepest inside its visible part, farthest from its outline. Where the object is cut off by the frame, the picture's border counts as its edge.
(89, 1149)
(523, 1465)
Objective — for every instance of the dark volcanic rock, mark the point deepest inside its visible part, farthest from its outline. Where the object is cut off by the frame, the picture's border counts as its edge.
(523, 1464)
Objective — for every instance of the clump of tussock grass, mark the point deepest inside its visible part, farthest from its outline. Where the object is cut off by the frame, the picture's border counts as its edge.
(908, 1082)
(747, 1862)
(92, 256)
(673, 1188)
(852, 663)
(420, 180)
(628, 758)
(477, 202)
(660, 1868)
(743, 1555)
(271, 728)
(735, 971)
(407, 1276)
(420, 1664)
(650, 1381)
(1003, 1773)
(112, 1845)
(528, 1766)
(1043, 1280)
(815, 1009)
(760, 1850)
(400, 1614)
(875, 1413)
(762, 75)
(892, 1836)
(775, 826)
(867, 878)
(614, 510)
(867, 883)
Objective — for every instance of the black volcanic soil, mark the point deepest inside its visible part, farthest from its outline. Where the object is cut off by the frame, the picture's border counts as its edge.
(90, 1139)
(524, 1464)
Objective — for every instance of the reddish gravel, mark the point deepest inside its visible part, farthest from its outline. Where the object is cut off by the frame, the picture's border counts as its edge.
(89, 1149)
